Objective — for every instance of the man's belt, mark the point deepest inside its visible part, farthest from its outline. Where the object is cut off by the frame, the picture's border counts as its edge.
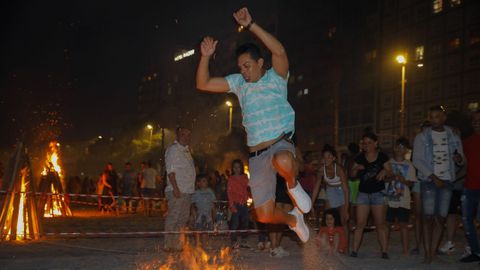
(285, 137)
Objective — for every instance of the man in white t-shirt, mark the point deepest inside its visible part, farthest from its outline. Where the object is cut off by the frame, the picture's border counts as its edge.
(436, 153)
(180, 186)
(149, 178)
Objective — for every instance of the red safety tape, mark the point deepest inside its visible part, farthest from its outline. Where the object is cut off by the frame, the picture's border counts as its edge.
(113, 234)
(93, 196)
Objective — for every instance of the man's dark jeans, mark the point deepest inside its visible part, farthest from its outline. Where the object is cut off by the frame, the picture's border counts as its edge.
(470, 209)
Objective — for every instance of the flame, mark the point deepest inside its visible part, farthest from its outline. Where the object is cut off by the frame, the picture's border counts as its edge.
(22, 225)
(195, 258)
(53, 206)
(52, 160)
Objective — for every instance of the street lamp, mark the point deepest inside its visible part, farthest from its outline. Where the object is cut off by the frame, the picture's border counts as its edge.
(230, 113)
(150, 128)
(402, 60)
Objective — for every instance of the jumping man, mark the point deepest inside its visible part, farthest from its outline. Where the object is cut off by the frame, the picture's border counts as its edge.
(268, 119)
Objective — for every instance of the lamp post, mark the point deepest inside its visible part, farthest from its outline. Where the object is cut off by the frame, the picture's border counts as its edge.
(150, 128)
(402, 60)
(230, 114)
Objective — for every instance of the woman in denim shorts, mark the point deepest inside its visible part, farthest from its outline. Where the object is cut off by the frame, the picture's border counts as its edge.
(372, 167)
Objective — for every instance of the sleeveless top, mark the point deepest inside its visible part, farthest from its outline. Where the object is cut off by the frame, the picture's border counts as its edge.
(335, 181)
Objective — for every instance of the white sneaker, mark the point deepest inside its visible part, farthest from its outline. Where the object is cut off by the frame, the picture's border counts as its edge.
(447, 248)
(467, 252)
(301, 198)
(283, 252)
(261, 246)
(275, 253)
(300, 228)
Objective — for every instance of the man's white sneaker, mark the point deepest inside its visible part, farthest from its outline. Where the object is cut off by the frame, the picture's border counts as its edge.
(300, 228)
(301, 198)
(283, 252)
(447, 248)
(275, 253)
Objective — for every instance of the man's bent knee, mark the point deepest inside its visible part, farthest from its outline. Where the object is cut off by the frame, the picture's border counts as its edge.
(284, 160)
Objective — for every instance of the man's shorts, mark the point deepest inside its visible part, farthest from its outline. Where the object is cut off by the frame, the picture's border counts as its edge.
(435, 201)
(400, 213)
(455, 203)
(263, 176)
(376, 198)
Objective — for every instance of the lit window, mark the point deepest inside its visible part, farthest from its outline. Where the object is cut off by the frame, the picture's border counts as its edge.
(419, 50)
(454, 3)
(454, 43)
(305, 91)
(473, 106)
(437, 6)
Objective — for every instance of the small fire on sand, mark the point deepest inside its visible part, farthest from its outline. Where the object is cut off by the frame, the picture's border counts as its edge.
(195, 258)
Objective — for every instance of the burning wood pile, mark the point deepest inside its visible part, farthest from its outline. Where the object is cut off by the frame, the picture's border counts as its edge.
(19, 220)
(52, 183)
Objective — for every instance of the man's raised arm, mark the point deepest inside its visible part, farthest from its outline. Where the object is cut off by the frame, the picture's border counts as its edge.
(279, 55)
(204, 81)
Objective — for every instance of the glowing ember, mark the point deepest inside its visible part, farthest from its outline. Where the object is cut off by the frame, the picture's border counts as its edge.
(55, 204)
(195, 258)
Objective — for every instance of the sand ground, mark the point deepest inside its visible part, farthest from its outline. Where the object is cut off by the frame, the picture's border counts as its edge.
(146, 253)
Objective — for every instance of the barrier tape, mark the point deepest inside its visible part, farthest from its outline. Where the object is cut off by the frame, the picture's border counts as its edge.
(139, 234)
(92, 196)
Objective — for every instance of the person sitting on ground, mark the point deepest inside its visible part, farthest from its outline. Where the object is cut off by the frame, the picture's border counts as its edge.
(331, 235)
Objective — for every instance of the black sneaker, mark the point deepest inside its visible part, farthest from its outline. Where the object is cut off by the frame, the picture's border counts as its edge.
(354, 254)
(470, 258)
(385, 256)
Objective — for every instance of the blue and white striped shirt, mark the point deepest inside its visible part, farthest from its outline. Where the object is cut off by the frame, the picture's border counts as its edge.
(265, 109)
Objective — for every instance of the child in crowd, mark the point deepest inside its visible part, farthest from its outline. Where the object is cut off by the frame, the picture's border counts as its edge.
(237, 191)
(203, 199)
(398, 190)
(332, 233)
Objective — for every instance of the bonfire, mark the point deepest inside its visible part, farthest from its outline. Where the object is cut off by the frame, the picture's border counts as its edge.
(52, 181)
(18, 219)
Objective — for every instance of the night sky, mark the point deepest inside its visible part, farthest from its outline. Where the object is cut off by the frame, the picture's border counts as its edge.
(85, 59)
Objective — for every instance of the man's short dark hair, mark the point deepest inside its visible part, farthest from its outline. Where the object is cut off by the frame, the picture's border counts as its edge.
(372, 136)
(437, 108)
(403, 142)
(252, 49)
(202, 176)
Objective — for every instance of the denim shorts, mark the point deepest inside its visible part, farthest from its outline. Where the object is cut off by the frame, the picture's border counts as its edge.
(335, 196)
(376, 198)
(263, 176)
(436, 201)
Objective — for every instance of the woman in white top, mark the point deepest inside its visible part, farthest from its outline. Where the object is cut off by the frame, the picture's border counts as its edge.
(335, 180)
